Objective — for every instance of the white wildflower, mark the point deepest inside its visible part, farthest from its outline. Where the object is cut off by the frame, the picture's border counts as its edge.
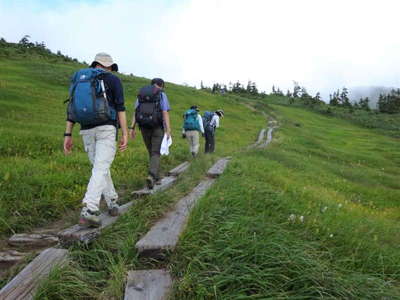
(340, 205)
(292, 218)
(324, 209)
(301, 218)
(331, 235)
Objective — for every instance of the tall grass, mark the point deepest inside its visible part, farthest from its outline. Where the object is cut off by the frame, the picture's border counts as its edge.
(314, 216)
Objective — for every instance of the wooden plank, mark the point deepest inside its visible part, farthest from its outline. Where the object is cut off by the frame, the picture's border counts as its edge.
(261, 136)
(165, 233)
(218, 168)
(179, 169)
(166, 182)
(32, 240)
(84, 234)
(148, 285)
(24, 285)
(11, 257)
(269, 136)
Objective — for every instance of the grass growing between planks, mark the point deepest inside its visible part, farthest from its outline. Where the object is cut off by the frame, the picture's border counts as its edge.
(316, 215)
(99, 271)
(38, 183)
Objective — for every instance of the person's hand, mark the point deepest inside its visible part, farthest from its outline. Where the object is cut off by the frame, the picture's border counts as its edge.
(123, 144)
(168, 133)
(68, 145)
(132, 133)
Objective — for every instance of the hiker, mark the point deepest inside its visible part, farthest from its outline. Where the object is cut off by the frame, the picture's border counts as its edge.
(210, 123)
(192, 125)
(152, 116)
(99, 128)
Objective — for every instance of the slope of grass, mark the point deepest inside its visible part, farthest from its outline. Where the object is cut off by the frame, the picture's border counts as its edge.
(314, 216)
(37, 182)
(300, 220)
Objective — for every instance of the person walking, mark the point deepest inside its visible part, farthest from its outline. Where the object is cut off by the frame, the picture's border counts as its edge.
(152, 116)
(192, 126)
(99, 126)
(211, 123)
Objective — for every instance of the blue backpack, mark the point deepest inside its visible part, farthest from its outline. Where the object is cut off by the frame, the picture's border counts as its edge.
(191, 121)
(207, 117)
(88, 104)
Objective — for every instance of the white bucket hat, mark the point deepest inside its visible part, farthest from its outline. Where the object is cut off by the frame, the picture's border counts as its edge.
(105, 60)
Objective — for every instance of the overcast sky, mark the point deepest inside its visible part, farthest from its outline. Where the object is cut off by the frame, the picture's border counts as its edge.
(323, 45)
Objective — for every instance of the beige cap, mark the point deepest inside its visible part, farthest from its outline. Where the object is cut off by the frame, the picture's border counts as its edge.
(105, 60)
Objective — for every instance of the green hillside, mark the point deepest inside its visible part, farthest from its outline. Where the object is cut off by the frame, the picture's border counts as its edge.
(313, 216)
(38, 183)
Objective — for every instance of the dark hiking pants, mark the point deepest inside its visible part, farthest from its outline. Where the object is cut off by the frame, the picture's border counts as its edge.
(210, 140)
(152, 139)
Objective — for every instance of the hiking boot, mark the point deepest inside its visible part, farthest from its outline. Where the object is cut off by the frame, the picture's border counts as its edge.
(113, 209)
(150, 182)
(90, 218)
(194, 154)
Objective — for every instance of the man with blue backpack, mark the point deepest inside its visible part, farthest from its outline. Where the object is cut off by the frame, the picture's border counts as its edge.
(192, 126)
(96, 102)
(210, 123)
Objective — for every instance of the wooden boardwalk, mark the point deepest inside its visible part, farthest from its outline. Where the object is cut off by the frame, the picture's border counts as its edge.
(164, 235)
(85, 235)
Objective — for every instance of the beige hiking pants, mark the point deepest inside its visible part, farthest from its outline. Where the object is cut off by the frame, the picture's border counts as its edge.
(192, 137)
(100, 145)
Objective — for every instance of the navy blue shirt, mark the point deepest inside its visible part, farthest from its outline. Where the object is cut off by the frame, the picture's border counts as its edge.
(115, 96)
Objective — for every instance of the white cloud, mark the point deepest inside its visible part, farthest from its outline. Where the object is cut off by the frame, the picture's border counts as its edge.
(324, 45)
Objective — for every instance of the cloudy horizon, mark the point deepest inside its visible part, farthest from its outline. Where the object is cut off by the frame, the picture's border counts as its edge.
(321, 45)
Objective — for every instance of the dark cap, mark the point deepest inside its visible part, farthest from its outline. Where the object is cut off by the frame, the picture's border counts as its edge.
(194, 107)
(158, 81)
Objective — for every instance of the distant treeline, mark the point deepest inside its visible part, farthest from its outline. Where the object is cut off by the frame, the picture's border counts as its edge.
(27, 48)
(387, 103)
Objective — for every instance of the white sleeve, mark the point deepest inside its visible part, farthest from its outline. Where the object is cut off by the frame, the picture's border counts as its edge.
(216, 121)
(200, 119)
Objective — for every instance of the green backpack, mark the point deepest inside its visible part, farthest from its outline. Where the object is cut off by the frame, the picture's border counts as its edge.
(191, 120)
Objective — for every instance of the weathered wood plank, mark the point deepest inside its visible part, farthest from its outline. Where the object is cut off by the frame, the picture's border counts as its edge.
(148, 285)
(165, 233)
(166, 182)
(83, 234)
(261, 136)
(218, 168)
(11, 256)
(179, 169)
(269, 137)
(32, 240)
(24, 285)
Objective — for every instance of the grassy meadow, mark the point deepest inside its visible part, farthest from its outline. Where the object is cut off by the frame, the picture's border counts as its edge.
(313, 216)
(316, 215)
(37, 182)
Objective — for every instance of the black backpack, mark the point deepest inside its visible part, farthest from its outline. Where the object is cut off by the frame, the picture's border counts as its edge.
(148, 112)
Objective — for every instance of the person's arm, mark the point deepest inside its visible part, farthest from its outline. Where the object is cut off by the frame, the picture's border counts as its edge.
(132, 128)
(216, 121)
(68, 139)
(119, 100)
(167, 124)
(165, 113)
(199, 118)
(123, 144)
